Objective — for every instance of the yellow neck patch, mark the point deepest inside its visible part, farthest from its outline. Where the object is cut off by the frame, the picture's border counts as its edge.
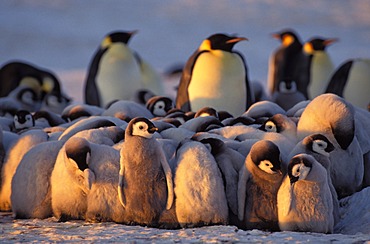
(287, 40)
(106, 42)
(307, 48)
(47, 85)
(206, 45)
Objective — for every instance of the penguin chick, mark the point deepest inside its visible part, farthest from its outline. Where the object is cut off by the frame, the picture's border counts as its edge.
(199, 189)
(259, 181)
(287, 95)
(215, 76)
(334, 117)
(71, 180)
(282, 124)
(229, 161)
(159, 105)
(31, 190)
(319, 147)
(304, 198)
(127, 110)
(23, 119)
(145, 187)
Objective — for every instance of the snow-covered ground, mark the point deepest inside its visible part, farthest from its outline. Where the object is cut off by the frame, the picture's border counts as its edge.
(62, 35)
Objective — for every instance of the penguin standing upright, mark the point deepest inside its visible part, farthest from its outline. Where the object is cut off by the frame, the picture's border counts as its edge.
(352, 82)
(145, 186)
(304, 198)
(215, 76)
(320, 65)
(285, 62)
(115, 71)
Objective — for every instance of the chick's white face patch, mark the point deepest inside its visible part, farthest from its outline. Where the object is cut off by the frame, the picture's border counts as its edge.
(266, 166)
(141, 129)
(301, 171)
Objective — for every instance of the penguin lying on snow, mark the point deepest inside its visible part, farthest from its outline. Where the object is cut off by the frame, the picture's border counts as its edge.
(304, 198)
(215, 76)
(145, 187)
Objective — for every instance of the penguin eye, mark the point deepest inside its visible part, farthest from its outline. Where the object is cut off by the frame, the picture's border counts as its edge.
(141, 127)
(15, 118)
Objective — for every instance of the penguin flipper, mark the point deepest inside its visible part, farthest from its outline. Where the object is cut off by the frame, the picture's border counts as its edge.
(121, 195)
(250, 95)
(167, 170)
(91, 90)
(244, 176)
(182, 98)
(339, 79)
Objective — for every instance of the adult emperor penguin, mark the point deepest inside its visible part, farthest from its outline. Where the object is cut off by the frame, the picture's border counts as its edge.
(259, 181)
(320, 66)
(352, 82)
(114, 72)
(285, 61)
(215, 76)
(304, 198)
(145, 187)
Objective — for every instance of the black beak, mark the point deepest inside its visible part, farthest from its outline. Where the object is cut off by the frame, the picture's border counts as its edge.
(152, 129)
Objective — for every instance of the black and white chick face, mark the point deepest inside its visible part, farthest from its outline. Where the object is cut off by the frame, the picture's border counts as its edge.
(299, 168)
(23, 119)
(141, 127)
(159, 105)
(318, 143)
(266, 155)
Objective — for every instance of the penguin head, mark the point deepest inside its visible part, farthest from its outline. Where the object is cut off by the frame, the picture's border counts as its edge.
(159, 105)
(28, 97)
(287, 37)
(299, 167)
(123, 37)
(220, 42)
(317, 44)
(266, 155)
(142, 127)
(287, 86)
(216, 145)
(319, 143)
(206, 111)
(78, 149)
(23, 119)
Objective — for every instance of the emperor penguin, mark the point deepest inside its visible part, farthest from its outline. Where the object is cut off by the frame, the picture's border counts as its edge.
(285, 61)
(304, 198)
(145, 187)
(259, 181)
(114, 72)
(40, 80)
(159, 105)
(351, 80)
(287, 94)
(320, 67)
(215, 76)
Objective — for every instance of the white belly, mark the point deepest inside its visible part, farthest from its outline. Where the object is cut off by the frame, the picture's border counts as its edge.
(321, 71)
(218, 81)
(118, 76)
(357, 89)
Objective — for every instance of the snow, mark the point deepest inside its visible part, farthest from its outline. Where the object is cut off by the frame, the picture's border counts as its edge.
(62, 35)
